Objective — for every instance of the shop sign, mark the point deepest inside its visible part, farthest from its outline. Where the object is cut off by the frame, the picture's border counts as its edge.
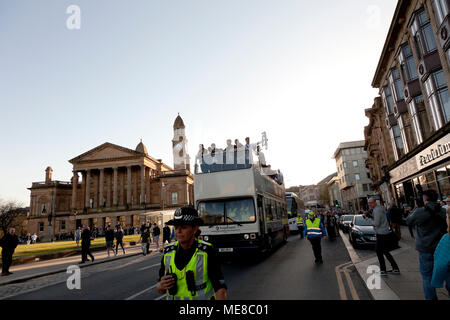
(438, 151)
(404, 170)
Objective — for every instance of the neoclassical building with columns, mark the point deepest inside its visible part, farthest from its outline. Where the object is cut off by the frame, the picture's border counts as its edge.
(113, 185)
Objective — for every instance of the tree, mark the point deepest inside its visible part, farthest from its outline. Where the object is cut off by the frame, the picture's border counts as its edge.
(11, 214)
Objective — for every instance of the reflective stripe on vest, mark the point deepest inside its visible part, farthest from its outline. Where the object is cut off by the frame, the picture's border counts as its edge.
(198, 264)
(313, 228)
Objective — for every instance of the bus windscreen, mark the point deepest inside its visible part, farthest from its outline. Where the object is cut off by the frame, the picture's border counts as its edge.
(227, 212)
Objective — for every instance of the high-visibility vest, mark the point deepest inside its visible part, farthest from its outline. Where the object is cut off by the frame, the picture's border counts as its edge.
(313, 228)
(300, 221)
(199, 265)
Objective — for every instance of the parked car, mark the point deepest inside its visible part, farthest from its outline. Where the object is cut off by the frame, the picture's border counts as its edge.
(344, 222)
(361, 232)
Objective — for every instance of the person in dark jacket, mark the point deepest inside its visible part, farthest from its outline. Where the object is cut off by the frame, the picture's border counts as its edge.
(166, 234)
(156, 233)
(395, 215)
(8, 243)
(109, 238)
(86, 244)
(145, 237)
(430, 226)
(119, 239)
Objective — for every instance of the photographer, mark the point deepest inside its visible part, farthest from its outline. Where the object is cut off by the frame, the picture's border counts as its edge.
(384, 236)
(430, 225)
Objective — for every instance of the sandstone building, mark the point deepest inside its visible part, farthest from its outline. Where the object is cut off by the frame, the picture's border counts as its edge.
(112, 184)
(412, 76)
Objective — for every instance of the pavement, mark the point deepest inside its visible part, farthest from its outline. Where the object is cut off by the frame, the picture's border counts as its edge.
(28, 271)
(405, 286)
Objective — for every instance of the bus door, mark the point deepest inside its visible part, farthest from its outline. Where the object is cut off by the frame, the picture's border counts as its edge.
(262, 224)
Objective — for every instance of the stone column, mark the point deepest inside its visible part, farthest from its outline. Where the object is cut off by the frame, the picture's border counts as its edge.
(115, 187)
(88, 191)
(108, 192)
(74, 190)
(100, 187)
(129, 185)
(142, 184)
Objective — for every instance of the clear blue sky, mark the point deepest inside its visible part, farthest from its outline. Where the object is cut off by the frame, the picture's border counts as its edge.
(299, 70)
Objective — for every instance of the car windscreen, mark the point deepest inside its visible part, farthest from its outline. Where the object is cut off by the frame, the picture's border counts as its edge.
(227, 212)
(360, 221)
(347, 218)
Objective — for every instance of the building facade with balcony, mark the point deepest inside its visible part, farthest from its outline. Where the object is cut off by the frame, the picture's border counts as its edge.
(118, 186)
(412, 77)
(353, 177)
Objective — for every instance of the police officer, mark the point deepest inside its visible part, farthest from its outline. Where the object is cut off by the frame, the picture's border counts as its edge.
(300, 225)
(189, 268)
(314, 232)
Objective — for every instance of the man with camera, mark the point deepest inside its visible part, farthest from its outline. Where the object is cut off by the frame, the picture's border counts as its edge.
(189, 268)
(430, 225)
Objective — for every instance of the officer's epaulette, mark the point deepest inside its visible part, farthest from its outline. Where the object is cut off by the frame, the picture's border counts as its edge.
(170, 248)
(203, 245)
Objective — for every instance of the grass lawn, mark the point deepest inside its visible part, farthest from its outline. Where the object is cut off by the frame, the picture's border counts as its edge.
(24, 250)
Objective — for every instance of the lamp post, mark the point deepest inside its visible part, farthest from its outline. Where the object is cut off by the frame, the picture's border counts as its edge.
(162, 194)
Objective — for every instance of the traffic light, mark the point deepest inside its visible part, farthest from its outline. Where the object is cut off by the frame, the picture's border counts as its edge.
(336, 203)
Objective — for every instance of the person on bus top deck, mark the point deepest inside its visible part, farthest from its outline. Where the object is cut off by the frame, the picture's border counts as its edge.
(314, 231)
(186, 259)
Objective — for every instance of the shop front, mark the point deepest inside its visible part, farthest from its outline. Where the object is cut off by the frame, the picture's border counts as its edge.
(429, 169)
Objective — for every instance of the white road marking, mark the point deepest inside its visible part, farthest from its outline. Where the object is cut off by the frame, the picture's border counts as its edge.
(139, 293)
(148, 267)
(160, 298)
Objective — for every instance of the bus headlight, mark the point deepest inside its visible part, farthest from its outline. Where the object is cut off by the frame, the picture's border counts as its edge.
(206, 238)
(246, 236)
(253, 236)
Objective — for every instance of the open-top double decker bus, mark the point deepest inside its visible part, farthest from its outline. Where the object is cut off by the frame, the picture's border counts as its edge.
(242, 205)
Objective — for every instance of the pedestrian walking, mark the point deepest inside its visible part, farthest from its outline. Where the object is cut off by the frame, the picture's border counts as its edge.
(109, 238)
(430, 226)
(441, 268)
(119, 239)
(28, 238)
(156, 232)
(86, 244)
(8, 244)
(34, 238)
(314, 231)
(145, 237)
(385, 237)
(166, 235)
(78, 236)
(182, 274)
(300, 226)
(331, 226)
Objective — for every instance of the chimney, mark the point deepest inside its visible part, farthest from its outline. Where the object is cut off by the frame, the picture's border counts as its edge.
(48, 174)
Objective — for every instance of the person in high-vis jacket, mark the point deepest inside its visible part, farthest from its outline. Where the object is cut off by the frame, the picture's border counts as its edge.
(300, 226)
(314, 231)
(189, 268)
